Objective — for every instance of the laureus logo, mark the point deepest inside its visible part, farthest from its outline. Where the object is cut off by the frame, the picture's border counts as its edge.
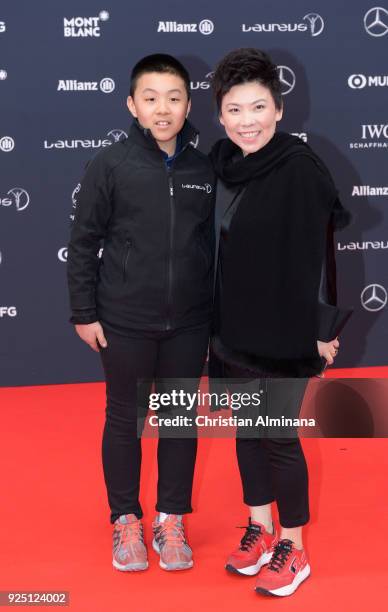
(18, 197)
(315, 22)
(117, 135)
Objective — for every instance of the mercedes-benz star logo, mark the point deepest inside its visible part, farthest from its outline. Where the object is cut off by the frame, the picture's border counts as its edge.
(376, 21)
(374, 297)
(287, 79)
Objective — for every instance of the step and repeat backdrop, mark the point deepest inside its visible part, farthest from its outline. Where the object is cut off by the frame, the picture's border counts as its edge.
(64, 80)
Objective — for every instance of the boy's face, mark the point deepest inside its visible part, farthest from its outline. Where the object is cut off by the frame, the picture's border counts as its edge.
(160, 103)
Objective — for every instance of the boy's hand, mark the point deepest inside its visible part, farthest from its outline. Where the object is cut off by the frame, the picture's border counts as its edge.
(328, 350)
(90, 333)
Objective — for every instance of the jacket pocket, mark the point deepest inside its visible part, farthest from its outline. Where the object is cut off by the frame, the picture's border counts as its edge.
(127, 251)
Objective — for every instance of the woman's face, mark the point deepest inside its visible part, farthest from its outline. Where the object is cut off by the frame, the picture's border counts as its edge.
(249, 116)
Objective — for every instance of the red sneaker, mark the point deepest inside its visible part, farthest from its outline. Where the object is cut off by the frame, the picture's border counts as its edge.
(255, 550)
(286, 570)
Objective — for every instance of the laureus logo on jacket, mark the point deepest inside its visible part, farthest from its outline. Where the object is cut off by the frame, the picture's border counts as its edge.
(206, 187)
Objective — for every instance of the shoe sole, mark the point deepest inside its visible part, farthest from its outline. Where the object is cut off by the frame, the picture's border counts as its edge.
(250, 570)
(130, 567)
(289, 589)
(172, 566)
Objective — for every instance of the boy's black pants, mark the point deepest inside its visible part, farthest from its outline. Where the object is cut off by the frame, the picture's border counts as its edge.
(147, 355)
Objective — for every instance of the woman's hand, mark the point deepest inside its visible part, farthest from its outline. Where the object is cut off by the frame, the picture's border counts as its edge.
(328, 350)
(90, 333)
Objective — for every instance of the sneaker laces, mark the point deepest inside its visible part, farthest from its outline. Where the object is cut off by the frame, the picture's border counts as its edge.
(252, 533)
(171, 531)
(132, 532)
(281, 552)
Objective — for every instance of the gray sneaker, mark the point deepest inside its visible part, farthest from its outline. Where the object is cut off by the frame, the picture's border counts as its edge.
(129, 551)
(170, 543)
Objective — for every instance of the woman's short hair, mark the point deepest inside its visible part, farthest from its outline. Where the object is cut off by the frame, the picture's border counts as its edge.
(244, 66)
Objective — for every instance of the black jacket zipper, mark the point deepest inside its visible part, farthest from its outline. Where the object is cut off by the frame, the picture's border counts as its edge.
(170, 270)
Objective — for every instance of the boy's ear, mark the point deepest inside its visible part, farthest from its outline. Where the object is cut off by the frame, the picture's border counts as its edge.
(188, 108)
(131, 106)
(221, 119)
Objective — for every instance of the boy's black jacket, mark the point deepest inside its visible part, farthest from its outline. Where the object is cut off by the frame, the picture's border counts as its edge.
(156, 270)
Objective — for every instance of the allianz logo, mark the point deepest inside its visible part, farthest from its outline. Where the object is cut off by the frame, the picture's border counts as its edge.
(106, 85)
(363, 246)
(206, 187)
(205, 27)
(367, 190)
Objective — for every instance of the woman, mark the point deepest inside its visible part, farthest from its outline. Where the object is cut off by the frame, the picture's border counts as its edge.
(275, 212)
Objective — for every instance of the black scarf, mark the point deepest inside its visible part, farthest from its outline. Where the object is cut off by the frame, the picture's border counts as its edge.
(274, 253)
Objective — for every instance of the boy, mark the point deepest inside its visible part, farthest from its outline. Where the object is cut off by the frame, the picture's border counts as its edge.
(146, 305)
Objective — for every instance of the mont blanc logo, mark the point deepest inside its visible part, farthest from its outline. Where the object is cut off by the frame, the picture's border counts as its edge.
(7, 144)
(368, 191)
(287, 79)
(106, 85)
(359, 81)
(205, 27)
(373, 136)
(63, 251)
(206, 187)
(376, 21)
(18, 197)
(311, 23)
(374, 245)
(84, 27)
(8, 311)
(3, 74)
(2, 26)
(86, 143)
(374, 297)
(205, 84)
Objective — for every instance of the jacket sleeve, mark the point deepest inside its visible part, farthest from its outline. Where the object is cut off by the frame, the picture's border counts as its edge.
(93, 207)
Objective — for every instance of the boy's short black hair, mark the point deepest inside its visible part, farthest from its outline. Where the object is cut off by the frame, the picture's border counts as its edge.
(244, 66)
(159, 62)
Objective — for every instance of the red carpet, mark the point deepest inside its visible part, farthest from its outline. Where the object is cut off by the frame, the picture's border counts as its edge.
(55, 531)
